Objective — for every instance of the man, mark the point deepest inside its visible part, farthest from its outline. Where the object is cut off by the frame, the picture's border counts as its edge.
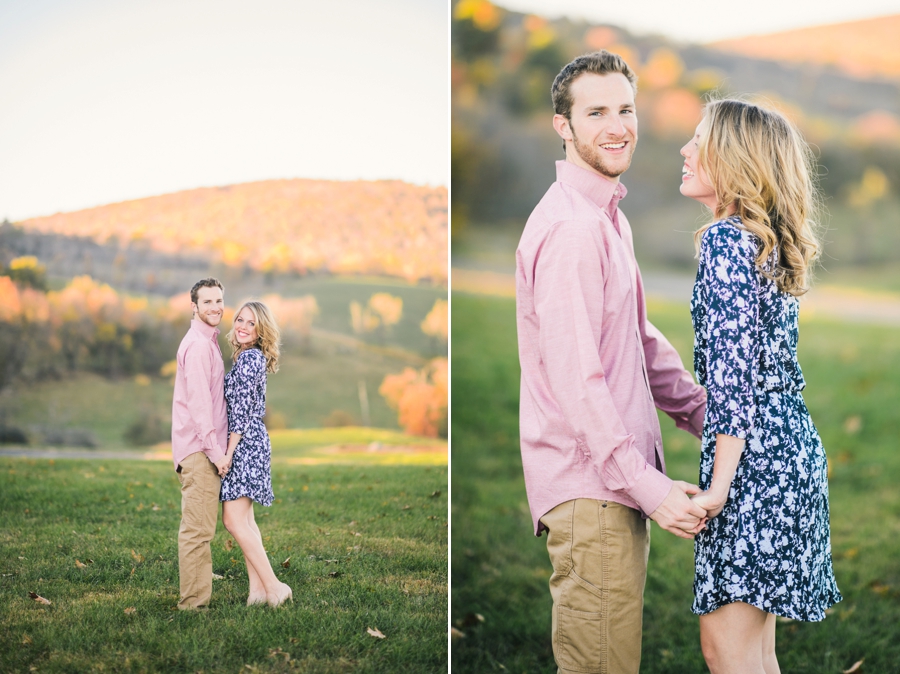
(199, 441)
(593, 371)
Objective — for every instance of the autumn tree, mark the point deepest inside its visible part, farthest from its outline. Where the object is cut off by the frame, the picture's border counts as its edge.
(420, 398)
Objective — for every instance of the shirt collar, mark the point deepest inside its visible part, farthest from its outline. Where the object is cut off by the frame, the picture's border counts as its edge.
(204, 329)
(605, 193)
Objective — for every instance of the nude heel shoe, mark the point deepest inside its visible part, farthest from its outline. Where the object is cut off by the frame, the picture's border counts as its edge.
(282, 597)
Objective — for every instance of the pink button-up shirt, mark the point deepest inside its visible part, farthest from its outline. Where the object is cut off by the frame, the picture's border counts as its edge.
(199, 417)
(593, 367)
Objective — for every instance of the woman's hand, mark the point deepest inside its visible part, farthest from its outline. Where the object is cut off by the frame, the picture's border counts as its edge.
(711, 501)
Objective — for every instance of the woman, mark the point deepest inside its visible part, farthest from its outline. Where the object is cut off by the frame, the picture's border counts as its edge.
(766, 550)
(254, 339)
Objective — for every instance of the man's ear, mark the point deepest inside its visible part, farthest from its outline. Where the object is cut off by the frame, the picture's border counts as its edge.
(562, 126)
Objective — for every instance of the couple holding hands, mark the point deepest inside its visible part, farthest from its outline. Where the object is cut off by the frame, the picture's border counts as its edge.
(594, 370)
(220, 445)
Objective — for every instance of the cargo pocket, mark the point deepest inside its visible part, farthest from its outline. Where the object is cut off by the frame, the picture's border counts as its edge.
(580, 640)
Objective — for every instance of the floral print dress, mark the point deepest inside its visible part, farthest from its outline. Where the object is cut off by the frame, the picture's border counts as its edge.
(771, 545)
(245, 396)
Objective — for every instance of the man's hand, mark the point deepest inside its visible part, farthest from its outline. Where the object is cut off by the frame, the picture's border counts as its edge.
(223, 464)
(678, 514)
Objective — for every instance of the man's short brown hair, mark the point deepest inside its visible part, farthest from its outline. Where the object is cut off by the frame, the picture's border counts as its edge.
(205, 283)
(600, 63)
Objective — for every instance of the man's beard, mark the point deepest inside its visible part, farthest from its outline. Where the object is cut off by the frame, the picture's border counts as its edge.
(590, 155)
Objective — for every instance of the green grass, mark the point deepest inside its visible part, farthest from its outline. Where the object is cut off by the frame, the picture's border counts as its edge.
(500, 570)
(367, 548)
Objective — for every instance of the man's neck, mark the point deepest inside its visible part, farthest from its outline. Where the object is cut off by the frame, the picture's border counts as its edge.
(573, 158)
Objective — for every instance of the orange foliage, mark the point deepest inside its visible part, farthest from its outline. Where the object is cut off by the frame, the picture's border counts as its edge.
(866, 48)
(601, 37)
(363, 227)
(382, 311)
(293, 314)
(436, 322)
(420, 397)
(877, 126)
(663, 69)
(10, 301)
(675, 113)
(483, 14)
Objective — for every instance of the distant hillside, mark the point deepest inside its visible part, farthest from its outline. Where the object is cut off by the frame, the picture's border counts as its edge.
(384, 227)
(865, 49)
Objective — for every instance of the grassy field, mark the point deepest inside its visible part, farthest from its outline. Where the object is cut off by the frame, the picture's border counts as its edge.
(306, 390)
(367, 548)
(500, 570)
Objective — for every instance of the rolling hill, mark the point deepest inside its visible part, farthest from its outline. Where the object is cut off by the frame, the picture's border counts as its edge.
(387, 228)
(864, 49)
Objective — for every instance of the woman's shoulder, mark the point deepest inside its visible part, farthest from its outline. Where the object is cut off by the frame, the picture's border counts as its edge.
(729, 237)
(251, 357)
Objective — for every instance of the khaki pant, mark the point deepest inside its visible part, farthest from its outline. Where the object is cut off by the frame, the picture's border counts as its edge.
(599, 554)
(200, 485)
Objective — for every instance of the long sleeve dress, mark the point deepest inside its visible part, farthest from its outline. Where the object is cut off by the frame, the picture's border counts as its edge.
(245, 396)
(771, 544)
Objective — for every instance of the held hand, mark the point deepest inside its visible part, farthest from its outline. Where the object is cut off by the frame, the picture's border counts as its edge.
(678, 514)
(222, 465)
(711, 501)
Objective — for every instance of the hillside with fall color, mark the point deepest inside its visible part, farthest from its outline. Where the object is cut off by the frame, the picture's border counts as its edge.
(865, 49)
(387, 228)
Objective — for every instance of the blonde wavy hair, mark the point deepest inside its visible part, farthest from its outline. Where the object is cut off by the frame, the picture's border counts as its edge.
(758, 162)
(268, 335)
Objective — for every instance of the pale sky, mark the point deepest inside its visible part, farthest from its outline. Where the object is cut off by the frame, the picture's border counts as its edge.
(708, 20)
(109, 100)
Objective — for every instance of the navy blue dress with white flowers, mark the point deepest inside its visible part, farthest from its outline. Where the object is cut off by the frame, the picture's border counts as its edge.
(771, 545)
(245, 396)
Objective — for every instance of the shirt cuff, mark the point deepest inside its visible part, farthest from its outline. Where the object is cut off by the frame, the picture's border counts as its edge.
(650, 490)
(695, 420)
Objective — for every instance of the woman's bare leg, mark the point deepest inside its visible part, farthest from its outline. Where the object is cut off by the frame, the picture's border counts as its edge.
(257, 593)
(237, 521)
(731, 638)
(770, 662)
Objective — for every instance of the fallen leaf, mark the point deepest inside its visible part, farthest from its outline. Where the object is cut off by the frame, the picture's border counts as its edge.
(136, 557)
(294, 640)
(406, 507)
(130, 610)
(39, 599)
(26, 640)
(456, 634)
(155, 507)
(229, 545)
(470, 620)
(89, 561)
(277, 652)
(435, 494)
(335, 574)
(216, 576)
(375, 633)
(286, 563)
(855, 668)
(80, 565)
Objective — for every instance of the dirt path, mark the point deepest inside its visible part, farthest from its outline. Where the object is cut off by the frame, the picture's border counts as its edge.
(853, 305)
